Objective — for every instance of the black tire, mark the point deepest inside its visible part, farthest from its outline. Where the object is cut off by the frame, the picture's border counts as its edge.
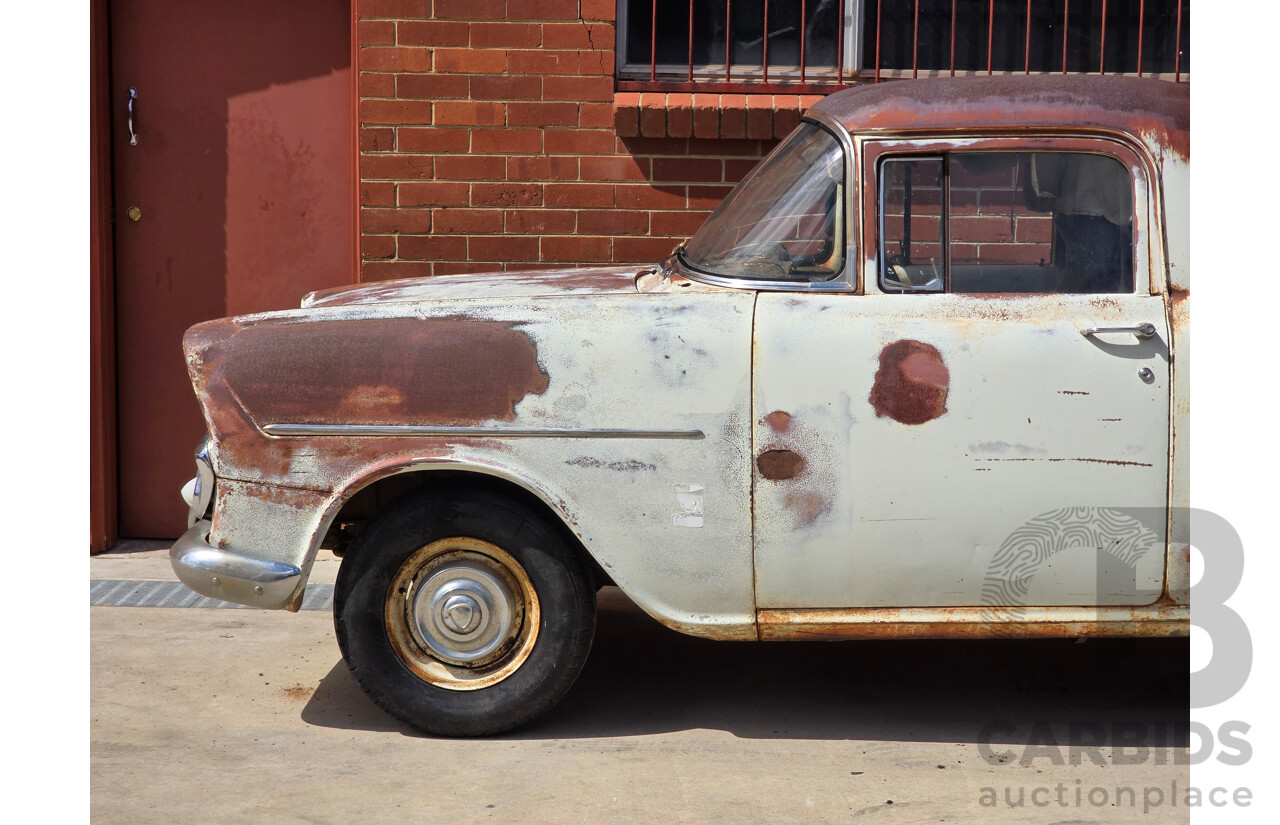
(392, 603)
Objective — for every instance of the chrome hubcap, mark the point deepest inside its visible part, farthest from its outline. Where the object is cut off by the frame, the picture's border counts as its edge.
(463, 613)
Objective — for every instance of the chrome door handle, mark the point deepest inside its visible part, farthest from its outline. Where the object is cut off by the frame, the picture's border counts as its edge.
(133, 95)
(1141, 330)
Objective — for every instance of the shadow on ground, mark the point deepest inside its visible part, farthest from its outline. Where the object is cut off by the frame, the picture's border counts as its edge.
(642, 678)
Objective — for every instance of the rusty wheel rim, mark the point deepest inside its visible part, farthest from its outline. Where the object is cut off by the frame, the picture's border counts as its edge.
(462, 614)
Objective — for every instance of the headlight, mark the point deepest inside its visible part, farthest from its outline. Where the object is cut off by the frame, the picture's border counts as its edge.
(198, 492)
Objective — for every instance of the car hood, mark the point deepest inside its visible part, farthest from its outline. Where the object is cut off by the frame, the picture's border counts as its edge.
(525, 284)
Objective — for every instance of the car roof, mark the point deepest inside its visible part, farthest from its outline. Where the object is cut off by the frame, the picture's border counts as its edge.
(1148, 109)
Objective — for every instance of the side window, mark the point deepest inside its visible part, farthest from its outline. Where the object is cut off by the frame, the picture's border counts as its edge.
(912, 246)
(1028, 222)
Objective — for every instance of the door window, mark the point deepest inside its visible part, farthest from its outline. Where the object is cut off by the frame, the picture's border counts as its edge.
(1006, 222)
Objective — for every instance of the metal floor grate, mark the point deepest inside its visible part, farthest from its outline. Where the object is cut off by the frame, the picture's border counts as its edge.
(131, 593)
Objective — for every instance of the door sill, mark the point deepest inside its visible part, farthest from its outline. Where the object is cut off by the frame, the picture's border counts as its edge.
(1164, 618)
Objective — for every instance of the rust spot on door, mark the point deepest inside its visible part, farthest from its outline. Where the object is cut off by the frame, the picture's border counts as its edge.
(778, 421)
(808, 507)
(780, 465)
(912, 383)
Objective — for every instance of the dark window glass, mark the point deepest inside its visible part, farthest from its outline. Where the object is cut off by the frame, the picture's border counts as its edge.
(1009, 35)
(745, 23)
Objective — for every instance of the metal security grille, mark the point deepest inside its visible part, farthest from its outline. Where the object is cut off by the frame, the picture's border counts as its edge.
(717, 44)
(784, 46)
(1138, 37)
(130, 593)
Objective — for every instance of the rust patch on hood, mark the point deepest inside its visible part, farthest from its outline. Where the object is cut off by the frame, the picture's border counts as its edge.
(780, 465)
(912, 383)
(447, 371)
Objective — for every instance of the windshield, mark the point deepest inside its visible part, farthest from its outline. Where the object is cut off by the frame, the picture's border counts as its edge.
(785, 221)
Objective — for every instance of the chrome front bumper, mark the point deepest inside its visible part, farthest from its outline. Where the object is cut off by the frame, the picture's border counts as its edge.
(221, 574)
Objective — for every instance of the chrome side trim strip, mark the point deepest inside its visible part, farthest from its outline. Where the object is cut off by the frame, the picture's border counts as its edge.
(384, 430)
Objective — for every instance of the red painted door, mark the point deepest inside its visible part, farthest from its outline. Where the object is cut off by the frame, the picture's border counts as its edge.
(232, 179)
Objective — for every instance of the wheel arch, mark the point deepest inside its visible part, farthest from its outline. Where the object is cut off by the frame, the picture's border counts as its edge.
(364, 496)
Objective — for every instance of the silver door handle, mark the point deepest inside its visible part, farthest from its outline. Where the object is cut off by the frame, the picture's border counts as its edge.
(133, 95)
(1141, 330)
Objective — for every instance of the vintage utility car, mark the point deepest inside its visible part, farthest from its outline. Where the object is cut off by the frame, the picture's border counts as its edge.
(922, 374)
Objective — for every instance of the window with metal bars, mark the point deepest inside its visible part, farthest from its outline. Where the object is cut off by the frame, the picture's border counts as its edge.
(801, 46)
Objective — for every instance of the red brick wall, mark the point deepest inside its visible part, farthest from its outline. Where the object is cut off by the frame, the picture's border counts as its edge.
(991, 221)
(488, 141)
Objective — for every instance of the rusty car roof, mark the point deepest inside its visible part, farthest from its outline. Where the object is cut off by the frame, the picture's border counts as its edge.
(1142, 107)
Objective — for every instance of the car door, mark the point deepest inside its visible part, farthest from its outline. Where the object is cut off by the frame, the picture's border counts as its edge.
(982, 424)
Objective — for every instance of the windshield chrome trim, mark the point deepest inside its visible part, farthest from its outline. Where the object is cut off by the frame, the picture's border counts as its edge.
(846, 279)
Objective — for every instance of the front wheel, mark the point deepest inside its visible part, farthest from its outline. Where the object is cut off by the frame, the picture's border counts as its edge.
(463, 613)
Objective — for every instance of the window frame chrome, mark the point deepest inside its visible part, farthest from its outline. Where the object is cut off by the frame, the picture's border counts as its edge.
(1149, 259)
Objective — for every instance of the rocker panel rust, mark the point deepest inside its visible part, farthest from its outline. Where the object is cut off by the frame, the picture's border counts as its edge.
(1162, 619)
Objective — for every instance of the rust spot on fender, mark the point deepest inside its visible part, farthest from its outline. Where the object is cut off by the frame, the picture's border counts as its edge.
(778, 421)
(629, 466)
(780, 465)
(912, 383)
(448, 371)
(297, 499)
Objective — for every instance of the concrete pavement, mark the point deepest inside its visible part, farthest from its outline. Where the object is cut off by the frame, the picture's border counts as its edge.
(228, 716)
